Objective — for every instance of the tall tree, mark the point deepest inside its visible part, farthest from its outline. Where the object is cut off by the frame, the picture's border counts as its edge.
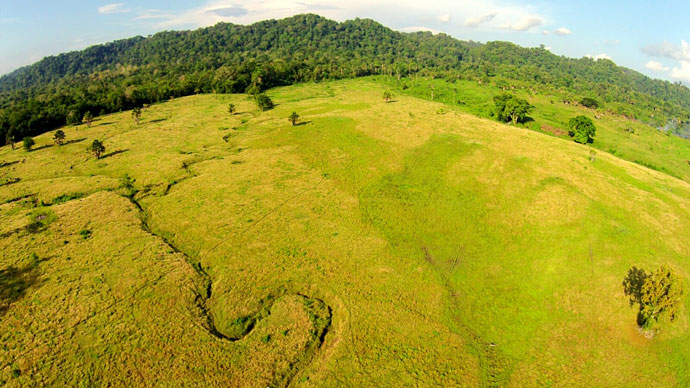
(97, 148)
(59, 137)
(136, 114)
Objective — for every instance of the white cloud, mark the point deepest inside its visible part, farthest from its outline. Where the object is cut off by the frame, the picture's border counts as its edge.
(681, 54)
(681, 73)
(599, 56)
(113, 8)
(419, 28)
(524, 24)
(437, 14)
(562, 31)
(656, 66)
(476, 21)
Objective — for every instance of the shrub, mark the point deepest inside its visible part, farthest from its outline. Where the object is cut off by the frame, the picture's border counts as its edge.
(27, 143)
(581, 129)
(590, 103)
(264, 102)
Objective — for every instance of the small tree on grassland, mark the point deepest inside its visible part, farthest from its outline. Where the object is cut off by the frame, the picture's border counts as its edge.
(264, 102)
(511, 108)
(27, 143)
(9, 138)
(581, 129)
(136, 114)
(59, 137)
(387, 96)
(657, 293)
(231, 109)
(97, 148)
(88, 118)
(293, 118)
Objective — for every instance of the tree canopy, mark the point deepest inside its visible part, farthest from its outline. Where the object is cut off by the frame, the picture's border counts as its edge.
(581, 129)
(510, 108)
(229, 58)
(658, 294)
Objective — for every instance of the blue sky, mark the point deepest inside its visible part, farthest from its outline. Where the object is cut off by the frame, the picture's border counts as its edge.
(650, 37)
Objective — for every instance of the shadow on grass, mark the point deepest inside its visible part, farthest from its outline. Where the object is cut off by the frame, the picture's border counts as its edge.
(114, 153)
(14, 283)
(7, 164)
(302, 123)
(155, 121)
(75, 141)
(41, 147)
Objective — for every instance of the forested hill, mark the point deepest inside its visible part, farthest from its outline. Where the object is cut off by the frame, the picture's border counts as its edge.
(229, 58)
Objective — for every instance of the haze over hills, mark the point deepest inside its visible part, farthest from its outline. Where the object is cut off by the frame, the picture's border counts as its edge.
(229, 58)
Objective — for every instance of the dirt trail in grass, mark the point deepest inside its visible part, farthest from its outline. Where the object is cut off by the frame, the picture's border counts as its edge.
(320, 313)
(495, 369)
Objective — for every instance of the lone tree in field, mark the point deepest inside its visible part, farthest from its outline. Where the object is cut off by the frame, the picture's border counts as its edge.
(387, 96)
(88, 118)
(581, 129)
(264, 102)
(136, 114)
(97, 148)
(293, 118)
(658, 294)
(27, 143)
(510, 108)
(9, 138)
(59, 137)
(231, 109)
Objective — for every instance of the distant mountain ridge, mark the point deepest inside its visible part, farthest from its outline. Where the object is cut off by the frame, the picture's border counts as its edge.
(228, 58)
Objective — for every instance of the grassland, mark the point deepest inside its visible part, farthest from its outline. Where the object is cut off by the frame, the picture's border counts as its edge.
(375, 244)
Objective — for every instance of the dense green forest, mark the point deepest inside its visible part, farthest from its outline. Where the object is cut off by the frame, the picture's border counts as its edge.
(229, 58)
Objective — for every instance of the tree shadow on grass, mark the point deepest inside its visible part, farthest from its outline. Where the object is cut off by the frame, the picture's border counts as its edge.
(7, 164)
(155, 121)
(302, 123)
(14, 283)
(41, 147)
(114, 153)
(75, 141)
(632, 284)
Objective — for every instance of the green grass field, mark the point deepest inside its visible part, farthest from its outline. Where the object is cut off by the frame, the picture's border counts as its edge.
(374, 244)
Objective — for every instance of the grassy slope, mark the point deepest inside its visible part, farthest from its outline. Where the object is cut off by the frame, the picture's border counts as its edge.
(451, 249)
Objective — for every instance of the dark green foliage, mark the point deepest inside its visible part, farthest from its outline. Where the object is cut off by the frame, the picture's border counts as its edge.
(264, 102)
(581, 129)
(293, 118)
(229, 58)
(658, 294)
(590, 103)
(59, 137)
(231, 109)
(85, 234)
(27, 143)
(97, 148)
(387, 96)
(65, 198)
(510, 108)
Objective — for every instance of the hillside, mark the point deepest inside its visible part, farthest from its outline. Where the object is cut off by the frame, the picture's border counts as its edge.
(374, 244)
(229, 58)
